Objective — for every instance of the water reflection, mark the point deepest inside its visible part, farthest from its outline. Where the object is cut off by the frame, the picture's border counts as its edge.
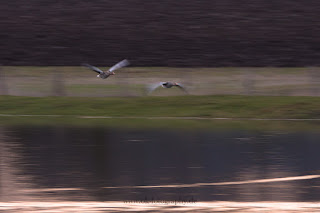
(105, 164)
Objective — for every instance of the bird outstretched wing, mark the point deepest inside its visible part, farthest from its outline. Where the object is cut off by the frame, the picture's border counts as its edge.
(182, 87)
(96, 69)
(152, 87)
(119, 65)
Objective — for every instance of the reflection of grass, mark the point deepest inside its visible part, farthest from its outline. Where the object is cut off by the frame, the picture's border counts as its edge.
(197, 106)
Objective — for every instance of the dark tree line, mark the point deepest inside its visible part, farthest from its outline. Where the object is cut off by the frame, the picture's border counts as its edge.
(161, 33)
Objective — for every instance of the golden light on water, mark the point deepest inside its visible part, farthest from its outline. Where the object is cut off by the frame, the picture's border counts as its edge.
(276, 207)
(270, 180)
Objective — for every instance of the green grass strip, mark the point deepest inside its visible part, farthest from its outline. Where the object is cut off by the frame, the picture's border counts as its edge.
(276, 107)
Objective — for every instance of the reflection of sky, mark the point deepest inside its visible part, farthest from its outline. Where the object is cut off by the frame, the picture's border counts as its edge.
(97, 164)
(10, 181)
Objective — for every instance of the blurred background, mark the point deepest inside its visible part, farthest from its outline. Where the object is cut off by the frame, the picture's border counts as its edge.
(134, 81)
(165, 33)
(238, 47)
(193, 42)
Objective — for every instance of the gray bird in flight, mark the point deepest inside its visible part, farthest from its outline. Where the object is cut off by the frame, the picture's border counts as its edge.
(167, 84)
(106, 74)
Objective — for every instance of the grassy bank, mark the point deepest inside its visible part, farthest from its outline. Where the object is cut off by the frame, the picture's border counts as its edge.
(179, 106)
(163, 124)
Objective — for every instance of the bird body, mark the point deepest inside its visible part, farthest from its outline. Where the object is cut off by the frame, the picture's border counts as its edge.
(106, 74)
(166, 85)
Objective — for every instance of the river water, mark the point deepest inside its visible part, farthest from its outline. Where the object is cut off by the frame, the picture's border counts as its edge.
(72, 168)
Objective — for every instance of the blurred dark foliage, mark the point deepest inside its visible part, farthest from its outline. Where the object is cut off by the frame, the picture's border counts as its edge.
(161, 32)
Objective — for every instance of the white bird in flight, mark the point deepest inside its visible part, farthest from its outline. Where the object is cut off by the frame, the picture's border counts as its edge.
(106, 74)
(167, 84)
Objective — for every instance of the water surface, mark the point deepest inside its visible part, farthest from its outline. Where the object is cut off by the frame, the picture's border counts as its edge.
(113, 166)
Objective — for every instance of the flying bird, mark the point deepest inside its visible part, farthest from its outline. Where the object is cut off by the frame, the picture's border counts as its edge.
(167, 84)
(106, 74)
